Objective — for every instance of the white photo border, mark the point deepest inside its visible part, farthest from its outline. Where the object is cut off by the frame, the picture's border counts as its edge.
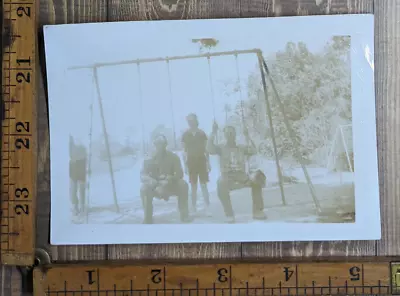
(367, 224)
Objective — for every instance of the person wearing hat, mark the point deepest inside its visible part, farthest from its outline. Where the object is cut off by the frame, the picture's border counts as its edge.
(196, 158)
(162, 177)
(233, 172)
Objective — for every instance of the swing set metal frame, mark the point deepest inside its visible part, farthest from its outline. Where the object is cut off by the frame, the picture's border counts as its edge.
(265, 74)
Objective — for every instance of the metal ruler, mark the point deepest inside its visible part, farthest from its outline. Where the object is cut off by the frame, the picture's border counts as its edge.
(18, 137)
(358, 277)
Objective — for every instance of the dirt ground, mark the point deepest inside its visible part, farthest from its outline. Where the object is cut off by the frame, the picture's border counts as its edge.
(336, 204)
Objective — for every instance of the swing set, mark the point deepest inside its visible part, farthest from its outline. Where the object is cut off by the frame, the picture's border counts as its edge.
(265, 74)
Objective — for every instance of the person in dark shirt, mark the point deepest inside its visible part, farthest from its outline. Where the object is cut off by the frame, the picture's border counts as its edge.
(233, 159)
(162, 177)
(77, 174)
(196, 158)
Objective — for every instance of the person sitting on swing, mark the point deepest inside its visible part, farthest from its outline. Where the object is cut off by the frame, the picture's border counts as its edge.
(233, 171)
(162, 177)
(77, 174)
(196, 160)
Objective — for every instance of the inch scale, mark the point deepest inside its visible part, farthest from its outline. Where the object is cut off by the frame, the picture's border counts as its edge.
(206, 279)
(18, 132)
(376, 276)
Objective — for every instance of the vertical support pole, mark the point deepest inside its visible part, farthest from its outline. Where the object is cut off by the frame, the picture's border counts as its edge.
(346, 150)
(141, 105)
(110, 166)
(244, 126)
(330, 155)
(89, 165)
(171, 103)
(292, 136)
(269, 115)
(240, 91)
(210, 78)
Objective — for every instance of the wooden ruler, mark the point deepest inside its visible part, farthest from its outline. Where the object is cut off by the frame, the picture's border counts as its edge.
(231, 279)
(18, 143)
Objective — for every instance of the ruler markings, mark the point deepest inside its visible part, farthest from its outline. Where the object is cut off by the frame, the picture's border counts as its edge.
(17, 135)
(16, 69)
(98, 282)
(7, 184)
(21, 48)
(330, 285)
(362, 277)
(297, 279)
(230, 280)
(263, 286)
(63, 291)
(18, 200)
(18, 3)
(322, 278)
(164, 279)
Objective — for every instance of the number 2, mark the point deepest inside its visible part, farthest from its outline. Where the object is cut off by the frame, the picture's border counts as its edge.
(21, 77)
(20, 126)
(21, 11)
(19, 143)
(19, 209)
(156, 276)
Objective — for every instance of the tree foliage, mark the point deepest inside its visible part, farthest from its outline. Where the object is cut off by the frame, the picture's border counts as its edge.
(315, 91)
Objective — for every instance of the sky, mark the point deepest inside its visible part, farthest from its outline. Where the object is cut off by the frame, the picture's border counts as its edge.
(162, 93)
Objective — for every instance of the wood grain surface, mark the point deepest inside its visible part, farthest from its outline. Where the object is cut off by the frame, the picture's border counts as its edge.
(387, 68)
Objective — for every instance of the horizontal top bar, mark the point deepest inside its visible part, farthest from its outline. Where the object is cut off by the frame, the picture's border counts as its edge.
(174, 58)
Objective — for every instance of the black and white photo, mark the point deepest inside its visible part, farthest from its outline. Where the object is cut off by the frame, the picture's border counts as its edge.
(213, 130)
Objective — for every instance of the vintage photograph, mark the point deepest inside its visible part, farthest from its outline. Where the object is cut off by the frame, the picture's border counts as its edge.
(194, 125)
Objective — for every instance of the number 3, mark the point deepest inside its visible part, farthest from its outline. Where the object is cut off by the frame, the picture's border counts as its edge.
(222, 278)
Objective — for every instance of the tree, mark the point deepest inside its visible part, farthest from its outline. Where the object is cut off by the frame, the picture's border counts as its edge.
(315, 89)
